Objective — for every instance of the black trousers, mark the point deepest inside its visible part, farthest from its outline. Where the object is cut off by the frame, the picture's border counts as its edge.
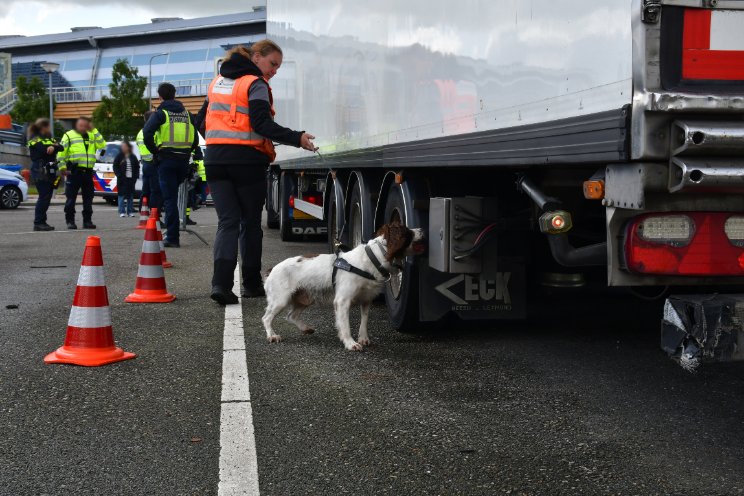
(46, 190)
(239, 192)
(79, 180)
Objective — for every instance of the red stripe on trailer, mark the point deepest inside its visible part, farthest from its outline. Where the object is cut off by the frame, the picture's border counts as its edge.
(696, 33)
(723, 65)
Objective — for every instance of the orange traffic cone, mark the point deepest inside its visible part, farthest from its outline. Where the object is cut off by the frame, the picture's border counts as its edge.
(150, 285)
(156, 216)
(90, 338)
(144, 214)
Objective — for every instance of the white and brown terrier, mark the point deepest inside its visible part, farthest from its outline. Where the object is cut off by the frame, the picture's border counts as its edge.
(360, 274)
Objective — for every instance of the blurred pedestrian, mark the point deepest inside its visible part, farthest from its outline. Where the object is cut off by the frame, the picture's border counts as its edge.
(239, 130)
(76, 161)
(170, 136)
(43, 151)
(127, 170)
(150, 180)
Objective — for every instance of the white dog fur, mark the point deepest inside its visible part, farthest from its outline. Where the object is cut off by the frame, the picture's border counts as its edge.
(298, 282)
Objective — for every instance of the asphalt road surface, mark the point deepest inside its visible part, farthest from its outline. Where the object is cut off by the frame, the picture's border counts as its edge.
(578, 401)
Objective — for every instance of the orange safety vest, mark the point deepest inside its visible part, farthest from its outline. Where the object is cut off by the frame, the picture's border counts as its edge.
(228, 122)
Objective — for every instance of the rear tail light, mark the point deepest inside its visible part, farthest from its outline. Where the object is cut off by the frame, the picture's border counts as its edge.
(314, 199)
(734, 228)
(291, 201)
(690, 244)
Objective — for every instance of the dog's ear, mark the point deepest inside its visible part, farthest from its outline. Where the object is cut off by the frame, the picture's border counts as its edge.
(398, 239)
(383, 231)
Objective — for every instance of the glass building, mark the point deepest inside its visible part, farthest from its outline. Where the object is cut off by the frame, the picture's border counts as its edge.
(86, 55)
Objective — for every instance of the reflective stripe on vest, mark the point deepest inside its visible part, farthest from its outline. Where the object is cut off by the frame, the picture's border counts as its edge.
(76, 151)
(228, 117)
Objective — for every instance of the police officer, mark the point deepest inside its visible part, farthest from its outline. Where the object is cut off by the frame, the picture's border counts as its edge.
(198, 176)
(43, 151)
(150, 180)
(76, 161)
(173, 126)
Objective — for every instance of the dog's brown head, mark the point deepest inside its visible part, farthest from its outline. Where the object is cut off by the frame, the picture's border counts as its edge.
(401, 241)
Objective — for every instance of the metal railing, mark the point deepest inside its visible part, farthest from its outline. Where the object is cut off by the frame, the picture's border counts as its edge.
(184, 87)
(7, 100)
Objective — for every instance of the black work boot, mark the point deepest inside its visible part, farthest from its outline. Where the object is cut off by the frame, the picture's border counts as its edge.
(71, 225)
(43, 227)
(223, 296)
(252, 291)
(190, 222)
(88, 225)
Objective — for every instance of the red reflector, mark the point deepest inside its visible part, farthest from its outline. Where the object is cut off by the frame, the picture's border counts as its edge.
(314, 199)
(703, 60)
(291, 201)
(708, 252)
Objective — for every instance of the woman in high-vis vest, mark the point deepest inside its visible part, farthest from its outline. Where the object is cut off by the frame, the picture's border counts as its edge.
(239, 130)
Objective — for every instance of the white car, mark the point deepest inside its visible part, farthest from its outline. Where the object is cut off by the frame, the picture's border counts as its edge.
(13, 189)
(104, 179)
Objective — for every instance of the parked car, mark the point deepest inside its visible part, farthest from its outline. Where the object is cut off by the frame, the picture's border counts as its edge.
(13, 189)
(104, 177)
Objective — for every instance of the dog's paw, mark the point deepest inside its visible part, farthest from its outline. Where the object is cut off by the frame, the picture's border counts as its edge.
(276, 338)
(353, 346)
(308, 331)
(363, 341)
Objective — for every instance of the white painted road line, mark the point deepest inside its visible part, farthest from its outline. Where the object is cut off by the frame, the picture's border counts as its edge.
(238, 463)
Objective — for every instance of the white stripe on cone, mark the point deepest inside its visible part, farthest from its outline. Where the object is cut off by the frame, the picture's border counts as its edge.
(91, 275)
(89, 316)
(150, 247)
(151, 271)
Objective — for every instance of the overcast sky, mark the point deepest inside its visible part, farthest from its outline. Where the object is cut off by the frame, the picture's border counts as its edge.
(32, 17)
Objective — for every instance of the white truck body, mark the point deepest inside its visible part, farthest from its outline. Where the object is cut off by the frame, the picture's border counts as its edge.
(365, 74)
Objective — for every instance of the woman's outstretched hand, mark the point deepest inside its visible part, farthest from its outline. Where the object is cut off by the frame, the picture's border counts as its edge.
(307, 143)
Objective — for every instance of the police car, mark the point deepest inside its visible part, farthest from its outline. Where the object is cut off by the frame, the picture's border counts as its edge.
(104, 179)
(13, 189)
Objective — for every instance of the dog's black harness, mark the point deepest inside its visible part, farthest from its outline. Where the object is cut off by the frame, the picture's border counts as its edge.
(343, 264)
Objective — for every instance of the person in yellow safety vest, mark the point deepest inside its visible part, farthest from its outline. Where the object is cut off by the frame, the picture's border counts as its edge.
(150, 181)
(198, 177)
(170, 136)
(76, 161)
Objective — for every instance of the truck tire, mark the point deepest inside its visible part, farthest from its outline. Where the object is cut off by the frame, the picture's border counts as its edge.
(10, 197)
(401, 292)
(286, 188)
(331, 219)
(356, 228)
(272, 210)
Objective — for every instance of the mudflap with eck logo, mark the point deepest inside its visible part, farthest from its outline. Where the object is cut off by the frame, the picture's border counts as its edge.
(498, 295)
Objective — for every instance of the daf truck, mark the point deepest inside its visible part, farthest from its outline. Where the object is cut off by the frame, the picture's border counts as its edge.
(538, 143)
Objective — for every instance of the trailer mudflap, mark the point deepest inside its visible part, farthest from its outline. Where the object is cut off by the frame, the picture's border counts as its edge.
(697, 328)
(499, 295)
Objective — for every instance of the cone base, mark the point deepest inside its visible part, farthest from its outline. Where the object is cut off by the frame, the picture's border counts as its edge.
(167, 265)
(88, 357)
(150, 298)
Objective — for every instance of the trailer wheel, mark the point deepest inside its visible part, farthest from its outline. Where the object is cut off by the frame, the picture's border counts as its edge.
(332, 219)
(356, 234)
(401, 292)
(272, 212)
(286, 188)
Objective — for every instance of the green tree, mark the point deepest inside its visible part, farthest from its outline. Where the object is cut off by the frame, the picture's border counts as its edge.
(120, 115)
(32, 102)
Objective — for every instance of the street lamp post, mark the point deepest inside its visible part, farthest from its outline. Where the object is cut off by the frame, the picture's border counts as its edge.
(149, 80)
(50, 68)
